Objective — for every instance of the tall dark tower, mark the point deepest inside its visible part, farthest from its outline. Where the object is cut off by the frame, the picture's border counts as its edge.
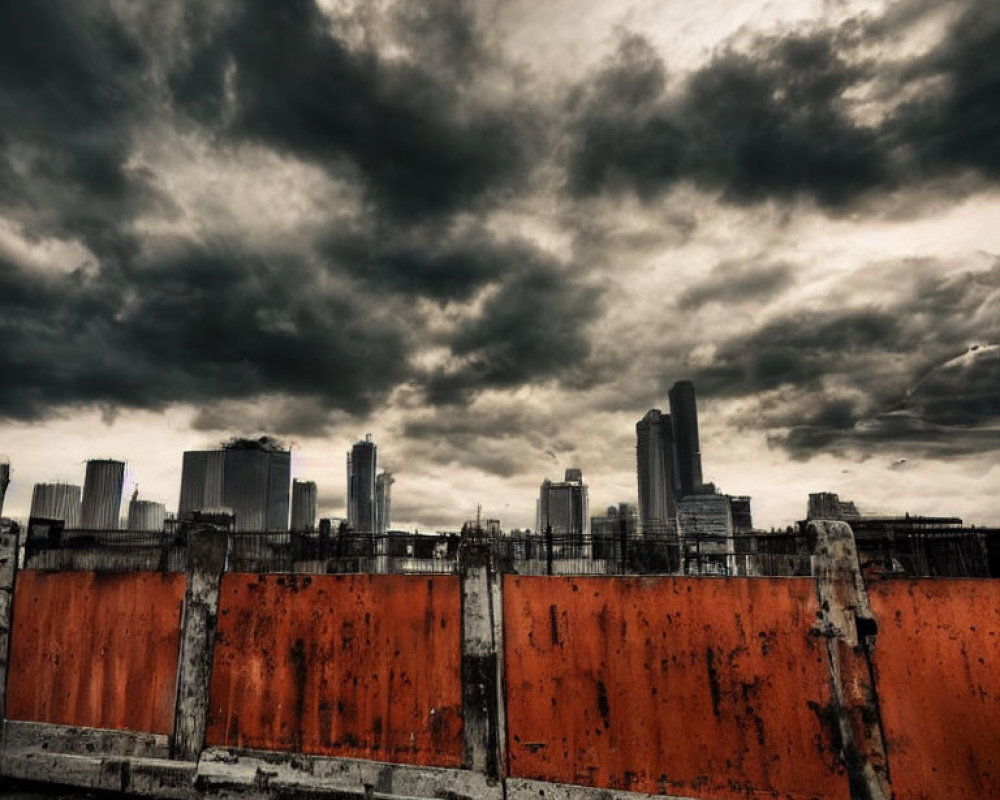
(362, 469)
(654, 454)
(686, 447)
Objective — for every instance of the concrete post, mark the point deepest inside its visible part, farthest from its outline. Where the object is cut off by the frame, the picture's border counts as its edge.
(8, 568)
(206, 560)
(483, 722)
(850, 629)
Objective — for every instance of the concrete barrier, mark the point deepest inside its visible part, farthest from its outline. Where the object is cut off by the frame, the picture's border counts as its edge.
(472, 686)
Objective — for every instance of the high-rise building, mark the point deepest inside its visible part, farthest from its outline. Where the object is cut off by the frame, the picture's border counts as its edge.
(654, 452)
(383, 501)
(303, 506)
(362, 467)
(102, 495)
(249, 478)
(565, 506)
(4, 482)
(687, 450)
(56, 501)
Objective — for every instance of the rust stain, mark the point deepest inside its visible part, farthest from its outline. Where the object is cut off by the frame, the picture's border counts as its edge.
(96, 649)
(359, 666)
(936, 661)
(686, 686)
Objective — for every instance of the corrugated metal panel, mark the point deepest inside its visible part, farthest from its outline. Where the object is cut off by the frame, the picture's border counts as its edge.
(102, 495)
(709, 688)
(363, 666)
(95, 649)
(936, 667)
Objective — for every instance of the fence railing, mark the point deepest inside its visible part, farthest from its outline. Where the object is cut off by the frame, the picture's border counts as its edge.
(954, 552)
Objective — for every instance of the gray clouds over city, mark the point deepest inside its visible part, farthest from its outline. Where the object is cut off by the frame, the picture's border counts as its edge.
(493, 234)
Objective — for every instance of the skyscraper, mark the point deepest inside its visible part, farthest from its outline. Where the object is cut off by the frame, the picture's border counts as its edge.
(102, 494)
(362, 467)
(303, 506)
(383, 501)
(249, 477)
(565, 506)
(654, 453)
(687, 449)
(4, 482)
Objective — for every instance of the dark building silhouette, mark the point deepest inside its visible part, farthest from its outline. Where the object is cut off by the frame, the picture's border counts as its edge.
(362, 469)
(102, 494)
(303, 506)
(383, 501)
(247, 477)
(654, 452)
(687, 450)
(565, 507)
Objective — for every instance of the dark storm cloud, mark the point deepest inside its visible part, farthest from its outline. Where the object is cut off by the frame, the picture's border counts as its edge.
(196, 325)
(533, 328)
(276, 74)
(910, 374)
(777, 121)
(735, 282)
(425, 261)
(73, 82)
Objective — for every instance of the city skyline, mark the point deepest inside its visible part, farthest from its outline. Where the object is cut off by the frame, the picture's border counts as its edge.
(494, 234)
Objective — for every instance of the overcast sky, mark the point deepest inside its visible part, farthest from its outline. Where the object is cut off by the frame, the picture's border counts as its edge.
(494, 233)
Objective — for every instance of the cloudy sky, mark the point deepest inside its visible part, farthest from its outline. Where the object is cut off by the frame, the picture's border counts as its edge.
(494, 233)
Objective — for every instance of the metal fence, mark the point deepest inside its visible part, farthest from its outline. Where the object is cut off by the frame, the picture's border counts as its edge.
(107, 551)
(952, 552)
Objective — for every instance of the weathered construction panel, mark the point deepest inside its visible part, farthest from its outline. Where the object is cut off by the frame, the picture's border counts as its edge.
(709, 688)
(360, 666)
(936, 666)
(96, 649)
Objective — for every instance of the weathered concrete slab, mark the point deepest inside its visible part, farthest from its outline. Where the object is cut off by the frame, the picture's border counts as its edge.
(276, 775)
(524, 789)
(160, 778)
(84, 741)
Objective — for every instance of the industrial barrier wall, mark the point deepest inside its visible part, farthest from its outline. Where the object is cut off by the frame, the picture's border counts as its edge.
(95, 649)
(364, 666)
(936, 664)
(708, 688)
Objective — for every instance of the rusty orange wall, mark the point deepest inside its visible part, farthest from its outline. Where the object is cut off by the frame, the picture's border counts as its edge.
(709, 688)
(96, 649)
(363, 666)
(937, 668)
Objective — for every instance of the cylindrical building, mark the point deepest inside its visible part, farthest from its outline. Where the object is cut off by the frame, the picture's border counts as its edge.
(303, 506)
(56, 501)
(102, 495)
(145, 515)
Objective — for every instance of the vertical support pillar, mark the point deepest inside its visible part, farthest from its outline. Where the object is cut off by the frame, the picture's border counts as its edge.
(8, 568)
(206, 560)
(482, 659)
(849, 627)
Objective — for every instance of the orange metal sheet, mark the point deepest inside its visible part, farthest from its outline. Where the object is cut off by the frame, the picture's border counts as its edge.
(702, 687)
(362, 666)
(936, 665)
(96, 649)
